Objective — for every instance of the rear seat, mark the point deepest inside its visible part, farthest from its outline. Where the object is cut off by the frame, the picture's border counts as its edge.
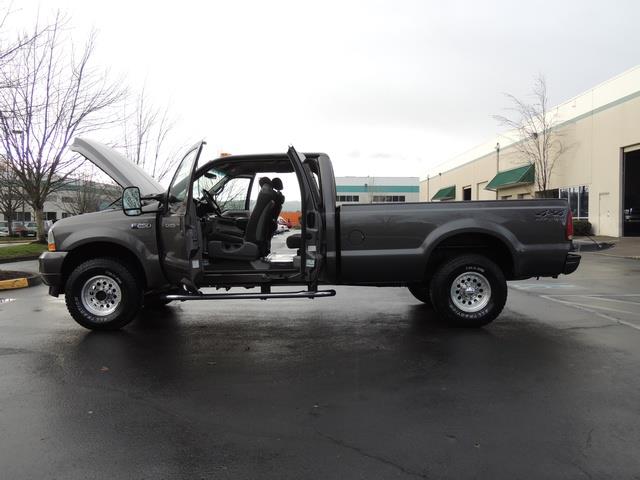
(294, 241)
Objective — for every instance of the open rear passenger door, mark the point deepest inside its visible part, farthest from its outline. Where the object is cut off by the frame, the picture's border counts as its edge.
(312, 237)
(179, 227)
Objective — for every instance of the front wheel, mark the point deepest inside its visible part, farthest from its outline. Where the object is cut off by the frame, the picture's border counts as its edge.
(103, 294)
(469, 290)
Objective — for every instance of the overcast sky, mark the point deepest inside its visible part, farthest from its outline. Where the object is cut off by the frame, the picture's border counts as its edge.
(384, 87)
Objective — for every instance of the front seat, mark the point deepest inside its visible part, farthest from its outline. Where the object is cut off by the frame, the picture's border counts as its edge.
(257, 235)
(277, 186)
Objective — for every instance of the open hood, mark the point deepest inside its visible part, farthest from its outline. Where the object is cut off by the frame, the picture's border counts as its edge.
(124, 172)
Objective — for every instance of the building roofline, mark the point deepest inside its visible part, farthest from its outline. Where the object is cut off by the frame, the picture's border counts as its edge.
(607, 94)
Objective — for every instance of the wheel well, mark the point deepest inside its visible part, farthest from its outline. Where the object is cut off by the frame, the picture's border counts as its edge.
(480, 243)
(101, 249)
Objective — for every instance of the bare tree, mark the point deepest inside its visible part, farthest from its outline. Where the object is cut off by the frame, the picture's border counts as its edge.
(60, 95)
(539, 141)
(145, 133)
(83, 194)
(11, 199)
(9, 48)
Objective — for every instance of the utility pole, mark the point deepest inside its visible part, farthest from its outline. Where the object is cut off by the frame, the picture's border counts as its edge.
(497, 163)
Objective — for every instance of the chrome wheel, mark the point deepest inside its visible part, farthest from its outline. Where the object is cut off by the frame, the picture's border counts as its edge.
(470, 292)
(101, 295)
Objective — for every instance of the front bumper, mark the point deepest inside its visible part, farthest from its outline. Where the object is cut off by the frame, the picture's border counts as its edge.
(571, 263)
(50, 266)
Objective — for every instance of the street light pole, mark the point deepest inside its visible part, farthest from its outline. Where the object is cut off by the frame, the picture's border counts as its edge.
(428, 197)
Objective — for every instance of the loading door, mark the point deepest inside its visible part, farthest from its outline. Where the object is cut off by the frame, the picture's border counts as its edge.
(631, 199)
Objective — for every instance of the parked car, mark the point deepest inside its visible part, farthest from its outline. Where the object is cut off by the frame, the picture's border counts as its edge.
(24, 229)
(47, 225)
(167, 244)
(282, 226)
(4, 229)
(285, 221)
(632, 221)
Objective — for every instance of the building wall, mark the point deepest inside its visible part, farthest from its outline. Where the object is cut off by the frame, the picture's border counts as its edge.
(377, 189)
(594, 140)
(59, 205)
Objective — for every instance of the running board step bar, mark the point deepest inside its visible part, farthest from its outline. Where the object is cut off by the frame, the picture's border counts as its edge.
(243, 296)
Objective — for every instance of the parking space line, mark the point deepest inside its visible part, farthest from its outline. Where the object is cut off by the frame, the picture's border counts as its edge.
(598, 307)
(609, 299)
(589, 309)
(597, 295)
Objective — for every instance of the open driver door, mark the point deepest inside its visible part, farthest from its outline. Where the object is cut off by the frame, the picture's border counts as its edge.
(179, 227)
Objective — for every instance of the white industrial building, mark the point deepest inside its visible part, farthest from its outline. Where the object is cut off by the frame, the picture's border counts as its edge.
(598, 172)
(377, 189)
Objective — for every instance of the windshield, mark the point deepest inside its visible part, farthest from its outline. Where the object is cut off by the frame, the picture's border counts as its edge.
(230, 192)
(212, 181)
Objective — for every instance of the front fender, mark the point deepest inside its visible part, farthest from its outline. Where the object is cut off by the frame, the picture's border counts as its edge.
(142, 245)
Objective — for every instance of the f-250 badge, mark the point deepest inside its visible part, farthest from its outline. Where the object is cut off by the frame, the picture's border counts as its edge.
(140, 226)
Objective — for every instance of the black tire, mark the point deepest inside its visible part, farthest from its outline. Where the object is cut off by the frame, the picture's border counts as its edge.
(421, 292)
(129, 300)
(477, 266)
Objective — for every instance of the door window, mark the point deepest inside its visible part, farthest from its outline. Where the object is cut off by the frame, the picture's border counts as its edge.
(233, 194)
(180, 184)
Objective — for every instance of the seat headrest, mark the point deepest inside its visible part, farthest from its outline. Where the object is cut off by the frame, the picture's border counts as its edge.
(264, 180)
(276, 183)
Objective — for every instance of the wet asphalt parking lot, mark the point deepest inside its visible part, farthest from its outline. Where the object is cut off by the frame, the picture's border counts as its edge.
(365, 385)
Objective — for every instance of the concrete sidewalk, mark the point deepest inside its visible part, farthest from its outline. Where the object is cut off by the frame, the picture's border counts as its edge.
(624, 247)
(12, 244)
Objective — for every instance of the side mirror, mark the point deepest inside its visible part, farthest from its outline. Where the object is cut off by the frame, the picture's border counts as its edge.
(131, 203)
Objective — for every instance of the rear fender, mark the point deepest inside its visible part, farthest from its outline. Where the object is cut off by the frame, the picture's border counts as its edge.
(477, 226)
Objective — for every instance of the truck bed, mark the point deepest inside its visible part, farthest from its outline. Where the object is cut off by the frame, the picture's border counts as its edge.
(394, 243)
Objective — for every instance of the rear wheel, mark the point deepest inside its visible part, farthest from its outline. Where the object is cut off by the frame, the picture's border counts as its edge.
(469, 290)
(103, 294)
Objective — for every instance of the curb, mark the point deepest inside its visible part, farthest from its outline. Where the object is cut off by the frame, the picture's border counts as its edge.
(19, 259)
(584, 246)
(629, 257)
(29, 280)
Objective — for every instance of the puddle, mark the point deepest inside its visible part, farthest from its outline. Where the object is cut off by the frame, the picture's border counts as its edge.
(6, 300)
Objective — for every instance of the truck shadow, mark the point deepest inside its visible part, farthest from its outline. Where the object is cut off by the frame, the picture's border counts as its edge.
(424, 321)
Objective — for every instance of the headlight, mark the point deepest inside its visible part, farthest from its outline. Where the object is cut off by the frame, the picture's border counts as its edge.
(51, 242)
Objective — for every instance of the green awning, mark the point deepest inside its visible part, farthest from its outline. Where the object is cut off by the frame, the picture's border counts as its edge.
(446, 193)
(524, 175)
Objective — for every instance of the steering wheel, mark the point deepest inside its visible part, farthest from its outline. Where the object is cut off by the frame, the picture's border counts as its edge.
(211, 202)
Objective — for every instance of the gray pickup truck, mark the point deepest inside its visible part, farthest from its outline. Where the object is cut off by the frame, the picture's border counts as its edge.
(209, 230)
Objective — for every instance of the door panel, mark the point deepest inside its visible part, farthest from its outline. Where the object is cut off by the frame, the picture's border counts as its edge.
(179, 226)
(312, 235)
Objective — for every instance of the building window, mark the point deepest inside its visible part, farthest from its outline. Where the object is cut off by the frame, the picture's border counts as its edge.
(578, 198)
(67, 199)
(65, 215)
(348, 198)
(389, 198)
(466, 193)
(50, 216)
(22, 216)
(505, 197)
